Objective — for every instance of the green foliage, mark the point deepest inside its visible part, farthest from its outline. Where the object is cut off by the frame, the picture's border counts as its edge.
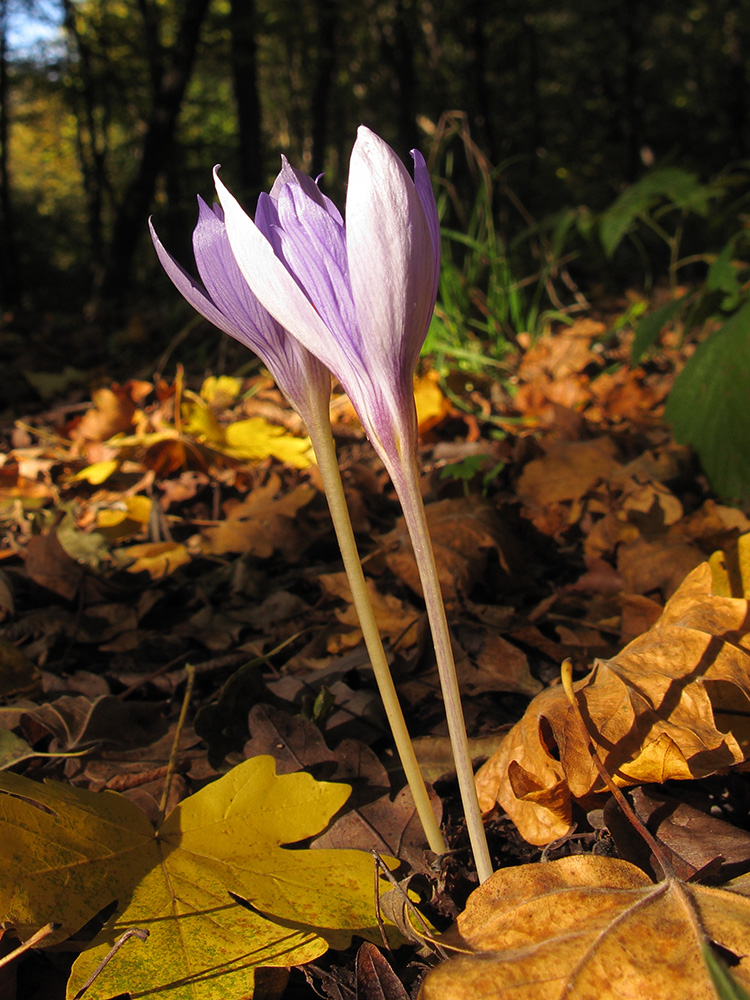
(708, 404)
(492, 287)
(660, 192)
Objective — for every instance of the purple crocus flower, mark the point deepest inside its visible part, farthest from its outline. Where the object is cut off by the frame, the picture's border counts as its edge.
(359, 297)
(227, 301)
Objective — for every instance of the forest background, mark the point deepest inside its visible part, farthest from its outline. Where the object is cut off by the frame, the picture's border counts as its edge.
(125, 105)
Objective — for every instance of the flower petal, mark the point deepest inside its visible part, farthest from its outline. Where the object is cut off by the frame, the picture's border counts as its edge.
(274, 286)
(423, 184)
(191, 290)
(391, 261)
(290, 175)
(300, 376)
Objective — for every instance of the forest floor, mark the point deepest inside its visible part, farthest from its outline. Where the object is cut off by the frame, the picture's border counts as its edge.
(167, 528)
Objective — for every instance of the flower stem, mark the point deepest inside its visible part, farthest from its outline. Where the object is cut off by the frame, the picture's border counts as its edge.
(325, 452)
(406, 481)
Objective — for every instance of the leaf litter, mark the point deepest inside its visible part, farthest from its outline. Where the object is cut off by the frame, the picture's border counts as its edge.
(169, 523)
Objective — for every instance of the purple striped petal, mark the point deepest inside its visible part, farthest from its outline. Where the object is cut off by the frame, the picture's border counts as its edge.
(229, 304)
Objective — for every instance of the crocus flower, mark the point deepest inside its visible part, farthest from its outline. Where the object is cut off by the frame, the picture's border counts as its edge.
(359, 297)
(227, 301)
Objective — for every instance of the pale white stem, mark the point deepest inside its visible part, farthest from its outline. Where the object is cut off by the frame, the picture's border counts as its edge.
(406, 482)
(325, 452)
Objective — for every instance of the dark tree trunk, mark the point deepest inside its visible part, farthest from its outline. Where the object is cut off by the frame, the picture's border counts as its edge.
(10, 287)
(327, 11)
(632, 117)
(244, 54)
(130, 222)
(735, 37)
(398, 51)
(482, 111)
(90, 140)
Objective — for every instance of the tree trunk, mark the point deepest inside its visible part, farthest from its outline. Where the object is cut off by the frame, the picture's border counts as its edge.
(10, 288)
(243, 26)
(327, 12)
(130, 222)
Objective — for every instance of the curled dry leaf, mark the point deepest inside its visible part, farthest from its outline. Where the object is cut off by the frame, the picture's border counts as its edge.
(591, 928)
(674, 703)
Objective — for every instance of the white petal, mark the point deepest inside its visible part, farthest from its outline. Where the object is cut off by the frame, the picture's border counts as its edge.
(390, 255)
(274, 286)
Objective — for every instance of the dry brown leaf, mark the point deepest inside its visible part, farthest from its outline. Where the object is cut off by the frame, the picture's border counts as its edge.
(261, 523)
(396, 621)
(463, 531)
(566, 352)
(499, 666)
(675, 703)
(591, 928)
(567, 471)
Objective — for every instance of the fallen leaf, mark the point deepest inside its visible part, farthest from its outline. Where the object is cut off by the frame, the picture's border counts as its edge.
(18, 675)
(376, 980)
(432, 406)
(674, 703)
(293, 742)
(158, 559)
(731, 570)
(463, 532)
(67, 853)
(220, 391)
(113, 412)
(695, 836)
(49, 565)
(499, 666)
(567, 471)
(396, 620)
(261, 523)
(594, 928)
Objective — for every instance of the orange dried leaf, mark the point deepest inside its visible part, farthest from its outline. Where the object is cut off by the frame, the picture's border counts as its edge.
(158, 559)
(591, 927)
(674, 703)
(261, 523)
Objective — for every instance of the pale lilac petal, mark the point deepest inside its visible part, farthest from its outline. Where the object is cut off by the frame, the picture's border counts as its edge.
(299, 375)
(391, 263)
(274, 286)
(313, 245)
(191, 290)
(423, 184)
(290, 175)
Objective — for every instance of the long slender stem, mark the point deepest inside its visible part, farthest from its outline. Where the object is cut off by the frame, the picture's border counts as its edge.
(407, 488)
(325, 452)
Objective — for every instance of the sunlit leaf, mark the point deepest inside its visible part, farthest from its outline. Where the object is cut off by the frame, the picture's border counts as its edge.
(67, 853)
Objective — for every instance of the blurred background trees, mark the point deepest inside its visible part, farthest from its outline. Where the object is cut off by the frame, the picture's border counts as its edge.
(127, 104)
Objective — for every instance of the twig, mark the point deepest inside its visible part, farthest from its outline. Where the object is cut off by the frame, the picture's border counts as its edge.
(566, 675)
(32, 942)
(171, 765)
(138, 932)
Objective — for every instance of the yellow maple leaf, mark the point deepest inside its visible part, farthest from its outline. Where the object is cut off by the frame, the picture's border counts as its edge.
(68, 852)
(256, 439)
(221, 390)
